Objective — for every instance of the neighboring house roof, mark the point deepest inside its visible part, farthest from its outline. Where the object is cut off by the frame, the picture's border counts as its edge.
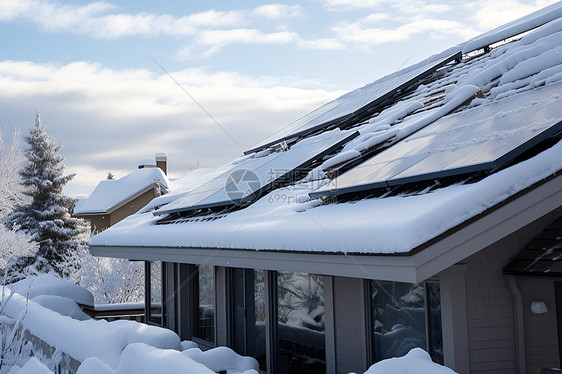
(110, 194)
(513, 91)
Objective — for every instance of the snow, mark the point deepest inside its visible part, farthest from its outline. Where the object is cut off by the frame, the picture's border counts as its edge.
(340, 158)
(223, 359)
(61, 305)
(48, 284)
(33, 366)
(502, 84)
(110, 193)
(89, 338)
(141, 358)
(417, 361)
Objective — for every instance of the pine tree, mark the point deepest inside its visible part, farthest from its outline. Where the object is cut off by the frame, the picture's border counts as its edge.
(47, 217)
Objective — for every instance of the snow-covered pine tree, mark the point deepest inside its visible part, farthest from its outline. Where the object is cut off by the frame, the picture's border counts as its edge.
(47, 217)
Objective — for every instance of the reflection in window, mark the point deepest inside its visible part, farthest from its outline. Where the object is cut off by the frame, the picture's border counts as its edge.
(300, 327)
(399, 319)
(435, 338)
(205, 310)
(248, 312)
(155, 315)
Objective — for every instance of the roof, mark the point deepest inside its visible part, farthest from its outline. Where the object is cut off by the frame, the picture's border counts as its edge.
(506, 83)
(110, 194)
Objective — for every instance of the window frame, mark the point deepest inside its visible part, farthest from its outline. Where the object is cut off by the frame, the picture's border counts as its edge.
(368, 323)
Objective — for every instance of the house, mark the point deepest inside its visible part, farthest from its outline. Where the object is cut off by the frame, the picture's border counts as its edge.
(421, 210)
(113, 200)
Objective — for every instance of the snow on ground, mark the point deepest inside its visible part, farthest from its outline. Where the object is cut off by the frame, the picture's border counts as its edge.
(88, 338)
(118, 347)
(33, 366)
(48, 284)
(417, 361)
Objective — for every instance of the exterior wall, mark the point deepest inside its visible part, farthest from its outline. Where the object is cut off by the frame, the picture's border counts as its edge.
(349, 317)
(131, 207)
(98, 223)
(541, 335)
(490, 307)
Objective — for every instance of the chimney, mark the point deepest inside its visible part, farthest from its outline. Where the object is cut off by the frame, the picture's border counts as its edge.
(162, 161)
(148, 163)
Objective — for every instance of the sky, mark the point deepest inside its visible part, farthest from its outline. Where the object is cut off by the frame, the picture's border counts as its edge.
(118, 81)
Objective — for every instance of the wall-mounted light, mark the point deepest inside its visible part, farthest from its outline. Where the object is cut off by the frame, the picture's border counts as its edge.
(538, 307)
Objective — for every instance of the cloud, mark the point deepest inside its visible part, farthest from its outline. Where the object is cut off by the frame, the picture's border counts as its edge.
(362, 34)
(100, 20)
(492, 13)
(245, 36)
(109, 119)
(277, 11)
(325, 44)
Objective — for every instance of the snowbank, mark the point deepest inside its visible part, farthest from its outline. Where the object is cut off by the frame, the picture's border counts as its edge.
(84, 339)
(33, 366)
(48, 284)
(417, 361)
(140, 358)
(62, 305)
(223, 359)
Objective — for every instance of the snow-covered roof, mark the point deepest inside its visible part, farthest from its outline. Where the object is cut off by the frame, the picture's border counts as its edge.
(507, 83)
(111, 194)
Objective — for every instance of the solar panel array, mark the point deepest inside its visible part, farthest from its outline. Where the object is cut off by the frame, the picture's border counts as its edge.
(355, 102)
(256, 175)
(482, 138)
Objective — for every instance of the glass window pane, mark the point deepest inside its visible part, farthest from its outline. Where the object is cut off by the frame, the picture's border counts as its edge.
(205, 321)
(238, 314)
(258, 352)
(155, 314)
(435, 338)
(300, 327)
(398, 312)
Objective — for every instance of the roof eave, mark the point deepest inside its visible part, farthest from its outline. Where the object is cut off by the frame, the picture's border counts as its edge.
(421, 263)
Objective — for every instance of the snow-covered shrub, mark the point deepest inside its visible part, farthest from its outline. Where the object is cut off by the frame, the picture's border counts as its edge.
(111, 280)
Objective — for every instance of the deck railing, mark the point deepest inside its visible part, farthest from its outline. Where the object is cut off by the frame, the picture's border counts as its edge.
(114, 312)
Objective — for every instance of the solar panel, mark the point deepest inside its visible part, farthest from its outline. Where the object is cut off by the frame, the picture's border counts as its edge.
(481, 138)
(256, 175)
(355, 102)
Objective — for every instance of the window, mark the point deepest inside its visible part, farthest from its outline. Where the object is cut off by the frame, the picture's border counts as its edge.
(558, 291)
(248, 313)
(204, 312)
(405, 316)
(154, 291)
(301, 346)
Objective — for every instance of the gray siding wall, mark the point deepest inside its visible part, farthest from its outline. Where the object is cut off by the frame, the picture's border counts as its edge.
(541, 335)
(349, 321)
(490, 310)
